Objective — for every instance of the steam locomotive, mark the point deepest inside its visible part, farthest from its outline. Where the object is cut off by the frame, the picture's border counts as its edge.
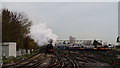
(49, 48)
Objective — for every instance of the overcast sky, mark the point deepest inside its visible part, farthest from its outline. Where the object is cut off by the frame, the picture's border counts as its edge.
(59, 0)
(83, 20)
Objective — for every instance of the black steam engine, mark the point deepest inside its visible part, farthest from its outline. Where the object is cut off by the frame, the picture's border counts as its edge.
(49, 47)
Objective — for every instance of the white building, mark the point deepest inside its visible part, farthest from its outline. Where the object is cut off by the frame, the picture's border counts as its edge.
(82, 42)
(9, 49)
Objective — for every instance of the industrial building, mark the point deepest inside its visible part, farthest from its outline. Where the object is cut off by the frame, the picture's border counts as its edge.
(72, 40)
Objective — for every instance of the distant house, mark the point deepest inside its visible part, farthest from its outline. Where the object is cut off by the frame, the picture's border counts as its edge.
(8, 49)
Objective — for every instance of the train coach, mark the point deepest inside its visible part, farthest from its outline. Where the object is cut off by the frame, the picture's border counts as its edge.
(90, 47)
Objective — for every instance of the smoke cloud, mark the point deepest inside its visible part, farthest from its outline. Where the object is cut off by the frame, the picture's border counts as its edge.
(41, 34)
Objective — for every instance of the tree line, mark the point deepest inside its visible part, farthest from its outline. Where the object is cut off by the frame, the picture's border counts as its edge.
(16, 28)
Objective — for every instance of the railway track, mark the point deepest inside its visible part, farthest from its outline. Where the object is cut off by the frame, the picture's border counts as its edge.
(89, 60)
(58, 60)
(66, 62)
(55, 63)
(22, 62)
(38, 61)
(33, 62)
(74, 64)
(46, 62)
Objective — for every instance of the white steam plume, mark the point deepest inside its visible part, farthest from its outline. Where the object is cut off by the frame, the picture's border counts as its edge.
(41, 34)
